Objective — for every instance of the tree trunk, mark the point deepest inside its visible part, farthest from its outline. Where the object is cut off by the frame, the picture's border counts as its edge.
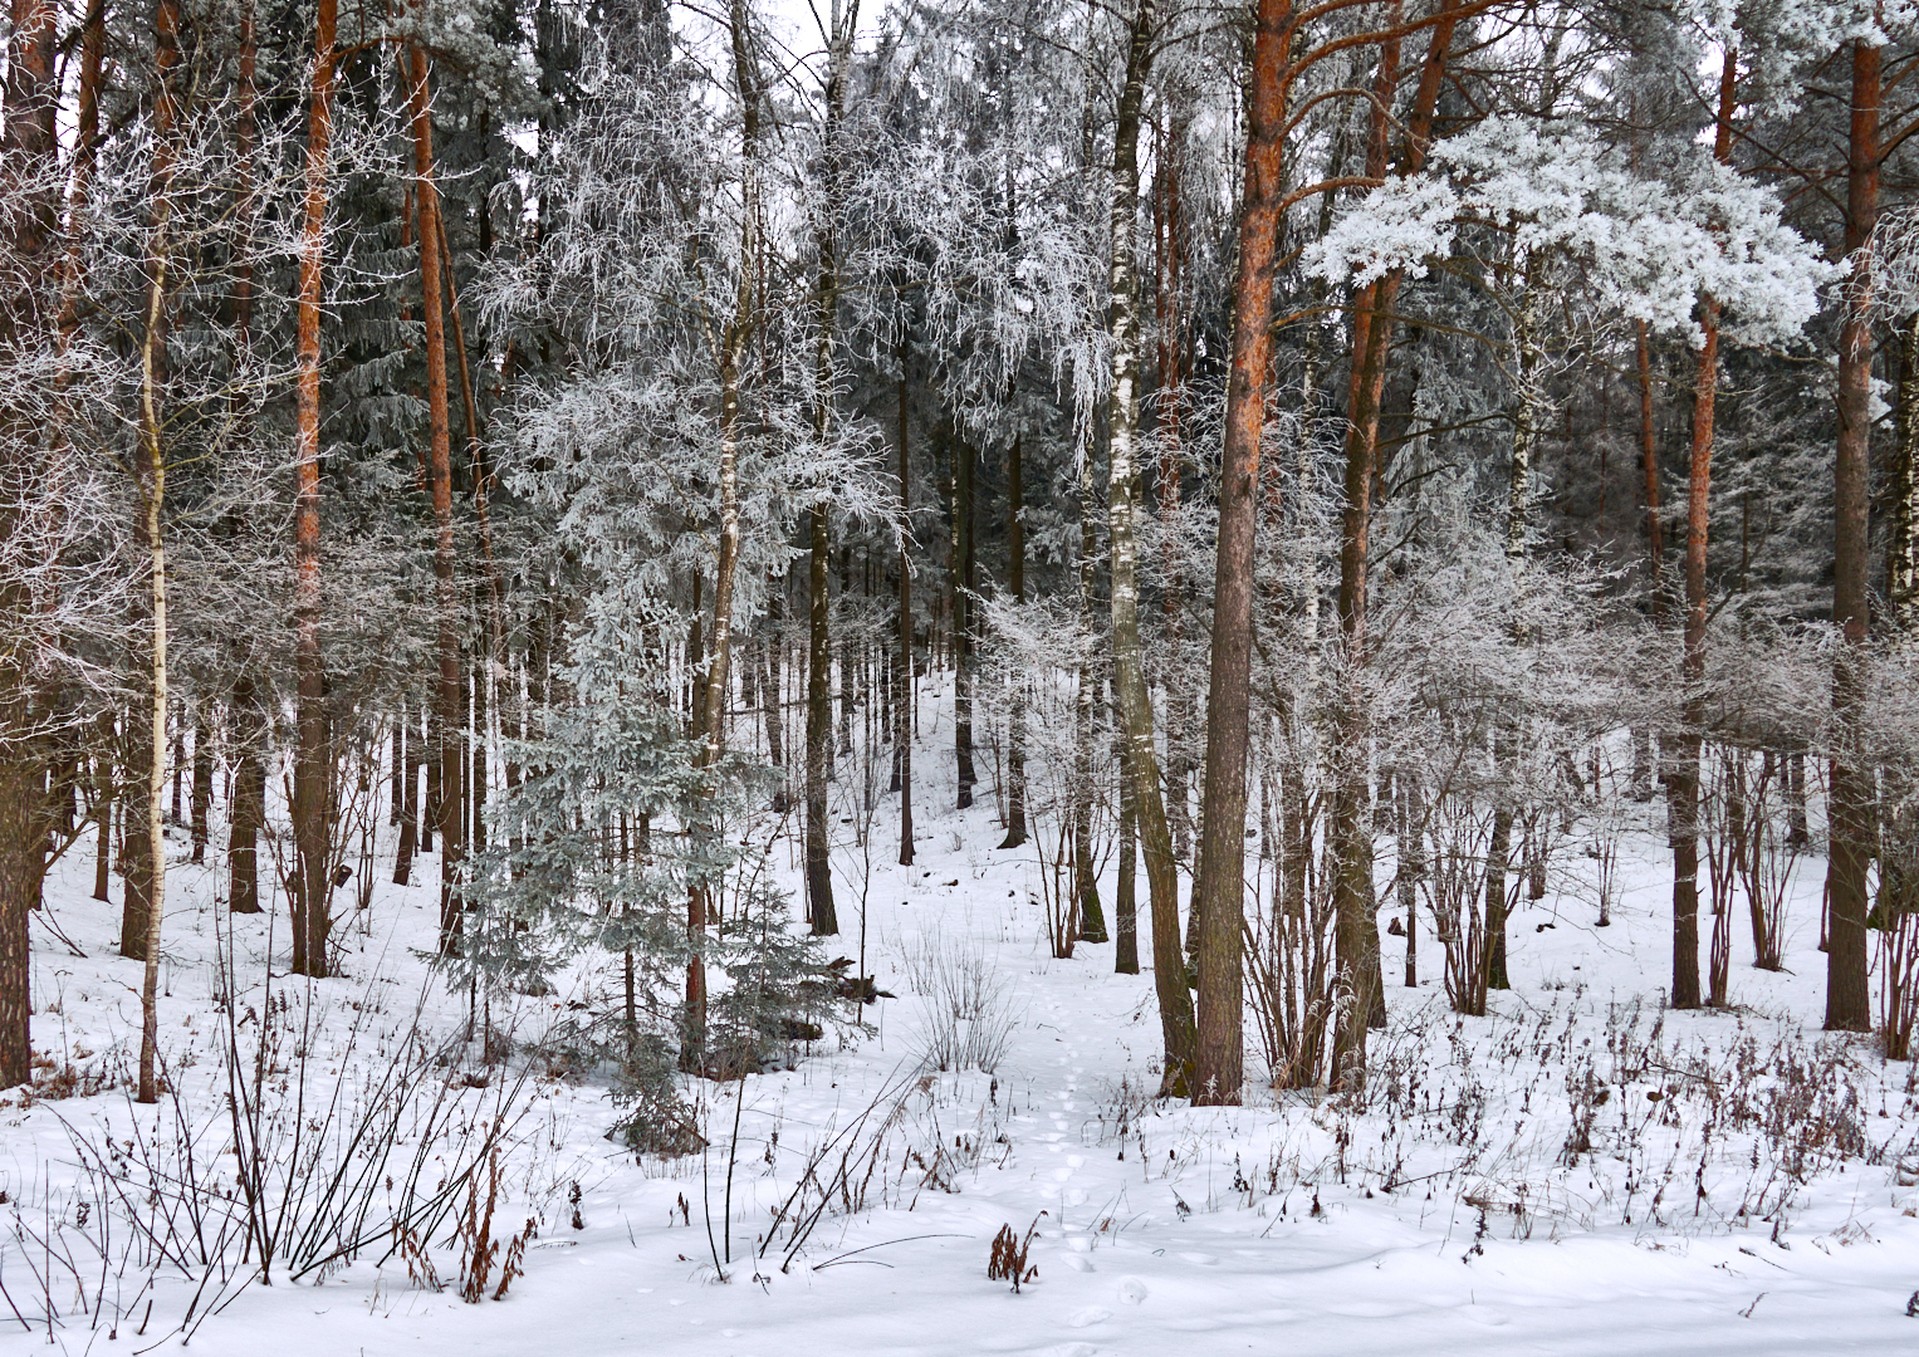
(1141, 799)
(1902, 498)
(200, 802)
(1356, 925)
(486, 699)
(1016, 712)
(1655, 536)
(907, 700)
(709, 724)
(477, 777)
(246, 812)
(312, 774)
(1649, 464)
(819, 733)
(166, 58)
(1409, 833)
(1169, 237)
(1218, 889)
(136, 854)
(176, 765)
(821, 914)
(1090, 919)
(398, 765)
(406, 774)
(153, 493)
(849, 663)
(964, 581)
(772, 695)
(1528, 396)
(1898, 901)
(1126, 894)
(29, 98)
(430, 806)
(450, 692)
(1848, 992)
(103, 823)
(1684, 780)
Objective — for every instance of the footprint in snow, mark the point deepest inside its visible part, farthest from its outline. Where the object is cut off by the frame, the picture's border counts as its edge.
(1085, 1319)
(1070, 1350)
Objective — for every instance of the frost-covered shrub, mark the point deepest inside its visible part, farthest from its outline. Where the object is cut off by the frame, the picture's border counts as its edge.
(968, 1006)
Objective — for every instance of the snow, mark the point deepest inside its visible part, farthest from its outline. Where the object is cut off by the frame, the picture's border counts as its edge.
(1443, 1218)
(1648, 247)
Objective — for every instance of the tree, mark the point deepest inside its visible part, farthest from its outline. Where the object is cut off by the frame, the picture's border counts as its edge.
(1373, 320)
(1139, 762)
(26, 162)
(1287, 44)
(312, 885)
(1696, 230)
(1848, 993)
(153, 482)
(449, 702)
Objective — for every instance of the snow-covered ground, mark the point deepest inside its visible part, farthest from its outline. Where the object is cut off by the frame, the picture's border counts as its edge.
(1740, 1194)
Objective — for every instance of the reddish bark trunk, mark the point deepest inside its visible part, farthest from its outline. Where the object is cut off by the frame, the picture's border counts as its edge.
(450, 690)
(1683, 786)
(312, 796)
(1848, 993)
(1218, 886)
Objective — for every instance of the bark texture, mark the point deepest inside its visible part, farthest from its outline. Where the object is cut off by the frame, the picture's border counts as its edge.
(1218, 888)
(312, 764)
(1848, 991)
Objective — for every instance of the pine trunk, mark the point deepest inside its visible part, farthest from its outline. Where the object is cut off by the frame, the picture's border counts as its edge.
(1355, 922)
(450, 692)
(1848, 991)
(1684, 776)
(311, 808)
(1218, 888)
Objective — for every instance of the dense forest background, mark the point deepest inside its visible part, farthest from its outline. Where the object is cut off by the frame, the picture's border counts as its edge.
(1319, 449)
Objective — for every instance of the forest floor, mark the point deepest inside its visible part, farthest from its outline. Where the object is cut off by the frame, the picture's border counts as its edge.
(1579, 1171)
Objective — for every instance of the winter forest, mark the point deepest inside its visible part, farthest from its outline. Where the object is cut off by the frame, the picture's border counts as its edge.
(952, 676)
